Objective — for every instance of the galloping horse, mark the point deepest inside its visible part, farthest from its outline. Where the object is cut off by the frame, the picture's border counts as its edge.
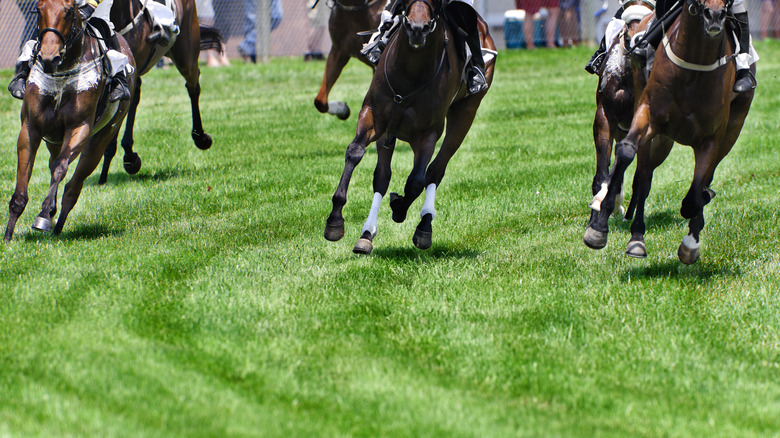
(689, 99)
(132, 20)
(349, 20)
(616, 94)
(417, 86)
(66, 105)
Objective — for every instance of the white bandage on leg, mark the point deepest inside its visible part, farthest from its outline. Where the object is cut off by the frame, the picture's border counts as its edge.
(430, 200)
(373, 215)
(690, 242)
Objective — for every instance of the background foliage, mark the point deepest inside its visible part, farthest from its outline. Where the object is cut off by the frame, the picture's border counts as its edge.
(199, 298)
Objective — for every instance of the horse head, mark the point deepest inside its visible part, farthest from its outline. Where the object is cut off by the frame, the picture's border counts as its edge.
(713, 13)
(59, 22)
(419, 21)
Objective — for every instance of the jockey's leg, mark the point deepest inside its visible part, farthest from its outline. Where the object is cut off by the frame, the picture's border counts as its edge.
(594, 64)
(372, 50)
(19, 82)
(744, 79)
(465, 18)
(163, 24)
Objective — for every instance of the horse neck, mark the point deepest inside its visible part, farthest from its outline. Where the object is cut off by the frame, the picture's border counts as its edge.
(122, 12)
(74, 53)
(692, 44)
(422, 61)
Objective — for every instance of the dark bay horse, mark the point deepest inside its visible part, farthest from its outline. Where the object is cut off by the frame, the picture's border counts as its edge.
(65, 105)
(616, 95)
(348, 23)
(689, 99)
(132, 20)
(417, 87)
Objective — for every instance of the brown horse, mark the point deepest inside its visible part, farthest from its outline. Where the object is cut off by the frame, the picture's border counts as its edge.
(417, 86)
(689, 99)
(65, 105)
(615, 100)
(348, 23)
(132, 20)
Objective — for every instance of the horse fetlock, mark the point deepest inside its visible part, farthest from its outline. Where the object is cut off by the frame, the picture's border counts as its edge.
(595, 239)
(399, 207)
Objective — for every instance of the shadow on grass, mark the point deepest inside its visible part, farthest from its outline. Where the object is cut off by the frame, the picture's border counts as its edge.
(119, 176)
(659, 220)
(78, 232)
(436, 252)
(676, 269)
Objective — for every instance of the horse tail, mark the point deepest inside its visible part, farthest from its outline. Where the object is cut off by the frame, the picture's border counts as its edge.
(210, 38)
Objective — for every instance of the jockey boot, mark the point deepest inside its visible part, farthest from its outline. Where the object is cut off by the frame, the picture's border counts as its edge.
(594, 65)
(159, 36)
(120, 90)
(475, 77)
(372, 50)
(19, 82)
(744, 80)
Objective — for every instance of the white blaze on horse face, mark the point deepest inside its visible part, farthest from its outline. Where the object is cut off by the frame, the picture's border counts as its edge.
(430, 200)
(373, 215)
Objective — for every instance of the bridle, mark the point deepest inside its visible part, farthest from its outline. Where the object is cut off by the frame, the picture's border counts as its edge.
(695, 7)
(75, 33)
(428, 27)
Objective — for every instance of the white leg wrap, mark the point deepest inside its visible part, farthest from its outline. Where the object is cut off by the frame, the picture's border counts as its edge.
(595, 204)
(337, 108)
(430, 200)
(690, 242)
(373, 215)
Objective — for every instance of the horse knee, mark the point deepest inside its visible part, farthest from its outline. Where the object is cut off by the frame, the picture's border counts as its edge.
(625, 152)
(355, 153)
(17, 204)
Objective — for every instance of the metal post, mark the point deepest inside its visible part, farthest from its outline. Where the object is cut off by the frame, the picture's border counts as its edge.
(263, 26)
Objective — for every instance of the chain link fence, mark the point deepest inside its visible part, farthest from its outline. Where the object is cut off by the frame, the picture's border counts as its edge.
(300, 31)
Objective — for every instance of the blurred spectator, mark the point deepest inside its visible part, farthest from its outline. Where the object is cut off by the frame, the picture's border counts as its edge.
(570, 22)
(531, 7)
(770, 19)
(206, 18)
(247, 47)
(319, 13)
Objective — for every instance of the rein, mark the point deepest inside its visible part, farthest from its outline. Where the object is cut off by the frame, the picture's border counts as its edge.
(350, 8)
(134, 22)
(397, 98)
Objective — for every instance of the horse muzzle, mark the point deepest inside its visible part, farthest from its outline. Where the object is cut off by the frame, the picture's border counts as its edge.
(418, 33)
(713, 21)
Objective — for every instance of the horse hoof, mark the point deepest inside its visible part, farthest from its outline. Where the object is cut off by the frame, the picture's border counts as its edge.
(202, 140)
(339, 109)
(594, 239)
(345, 114)
(422, 239)
(334, 232)
(636, 249)
(399, 213)
(42, 224)
(363, 246)
(132, 164)
(687, 255)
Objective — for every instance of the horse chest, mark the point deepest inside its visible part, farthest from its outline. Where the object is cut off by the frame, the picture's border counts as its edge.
(57, 89)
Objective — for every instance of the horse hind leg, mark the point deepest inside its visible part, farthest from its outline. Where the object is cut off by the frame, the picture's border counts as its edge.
(131, 161)
(333, 67)
(107, 157)
(415, 184)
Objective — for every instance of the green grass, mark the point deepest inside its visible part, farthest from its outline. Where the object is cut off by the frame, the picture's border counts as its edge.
(199, 298)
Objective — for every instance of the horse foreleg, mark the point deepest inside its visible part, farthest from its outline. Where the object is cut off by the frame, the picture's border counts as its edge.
(131, 161)
(73, 141)
(88, 161)
(26, 149)
(596, 235)
(334, 226)
(707, 157)
(333, 66)
(602, 139)
(107, 157)
(382, 174)
(423, 148)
